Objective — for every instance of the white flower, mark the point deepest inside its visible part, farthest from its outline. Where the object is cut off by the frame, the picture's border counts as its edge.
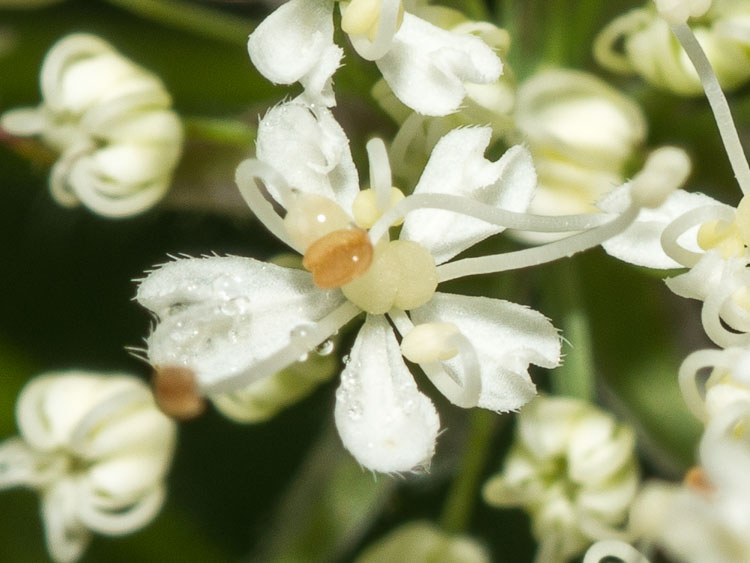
(423, 542)
(650, 50)
(236, 320)
(96, 448)
(111, 122)
(572, 467)
(581, 132)
(427, 68)
(706, 520)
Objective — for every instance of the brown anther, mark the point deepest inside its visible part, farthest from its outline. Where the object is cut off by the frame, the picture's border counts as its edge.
(697, 480)
(176, 392)
(339, 257)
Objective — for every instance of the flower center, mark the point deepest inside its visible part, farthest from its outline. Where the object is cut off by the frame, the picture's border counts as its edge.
(338, 257)
(362, 17)
(402, 275)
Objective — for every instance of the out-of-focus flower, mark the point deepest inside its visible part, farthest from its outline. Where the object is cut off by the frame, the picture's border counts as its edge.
(96, 448)
(489, 104)
(111, 122)
(423, 542)
(427, 67)
(650, 50)
(705, 520)
(236, 320)
(573, 468)
(581, 133)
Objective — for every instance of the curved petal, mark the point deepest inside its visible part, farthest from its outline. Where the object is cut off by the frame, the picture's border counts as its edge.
(457, 167)
(640, 244)
(507, 338)
(310, 150)
(295, 44)
(20, 465)
(426, 66)
(383, 420)
(224, 316)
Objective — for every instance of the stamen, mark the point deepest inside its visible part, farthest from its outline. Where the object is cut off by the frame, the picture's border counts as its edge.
(373, 24)
(365, 208)
(617, 549)
(429, 342)
(176, 392)
(246, 175)
(541, 254)
(339, 257)
(696, 479)
(310, 217)
(485, 212)
(380, 173)
(684, 223)
(464, 394)
(718, 102)
(687, 377)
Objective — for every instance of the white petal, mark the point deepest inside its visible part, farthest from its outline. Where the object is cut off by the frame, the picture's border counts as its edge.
(124, 479)
(507, 338)
(640, 244)
(295, 44)
(457, 167)
(115, 516)
(310, 150)
(383, 420)
(427, 66)
(223, 316)
(22, 465)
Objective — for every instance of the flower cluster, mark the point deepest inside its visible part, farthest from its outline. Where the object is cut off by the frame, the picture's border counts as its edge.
(112, 123)
(96, 448)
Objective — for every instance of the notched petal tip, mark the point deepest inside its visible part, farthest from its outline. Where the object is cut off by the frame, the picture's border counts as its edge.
(176, 392)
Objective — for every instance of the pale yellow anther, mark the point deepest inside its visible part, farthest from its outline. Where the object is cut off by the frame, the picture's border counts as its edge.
(429, 342)
(311, 217)
(402, 275)
(365, 208)
(362, 17)
(721, 236)
(741, 297)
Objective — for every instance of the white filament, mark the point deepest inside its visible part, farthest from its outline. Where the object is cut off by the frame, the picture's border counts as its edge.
(485, 212)
(538, 255)
(718, 103)
(318, 333)
(687, 377)
(685, 222)
(380, 173)
(613, 548)
(388, 24)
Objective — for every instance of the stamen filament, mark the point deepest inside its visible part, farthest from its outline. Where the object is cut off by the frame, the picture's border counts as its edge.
(701, 359)
(617, 549)
(540, 254)
(718, 103)
(246, 175)
(297, 348)
(466, 394)
(380, 173)
(685, 222)
(485, 212)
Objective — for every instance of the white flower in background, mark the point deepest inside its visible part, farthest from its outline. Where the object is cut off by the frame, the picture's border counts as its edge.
(232, 321)
(650, 50)
(573, 468)
(728, 381)
(423, 542)
(97, 450)
(427, 68)
(706, 520)
(488, 104)
(581, 133)
(111, 122)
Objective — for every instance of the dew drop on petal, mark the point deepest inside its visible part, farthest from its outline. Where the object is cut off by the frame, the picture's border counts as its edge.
(324, 348)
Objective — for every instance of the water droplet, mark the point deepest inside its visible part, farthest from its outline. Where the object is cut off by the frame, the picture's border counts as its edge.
(303, 358)
(354, 410)
(324, 348)
(346, 359)
(235, 306)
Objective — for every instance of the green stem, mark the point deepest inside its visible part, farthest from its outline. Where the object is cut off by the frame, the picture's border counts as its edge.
(462, 496)
(191, 17)
(575, 377)
(222, 131)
